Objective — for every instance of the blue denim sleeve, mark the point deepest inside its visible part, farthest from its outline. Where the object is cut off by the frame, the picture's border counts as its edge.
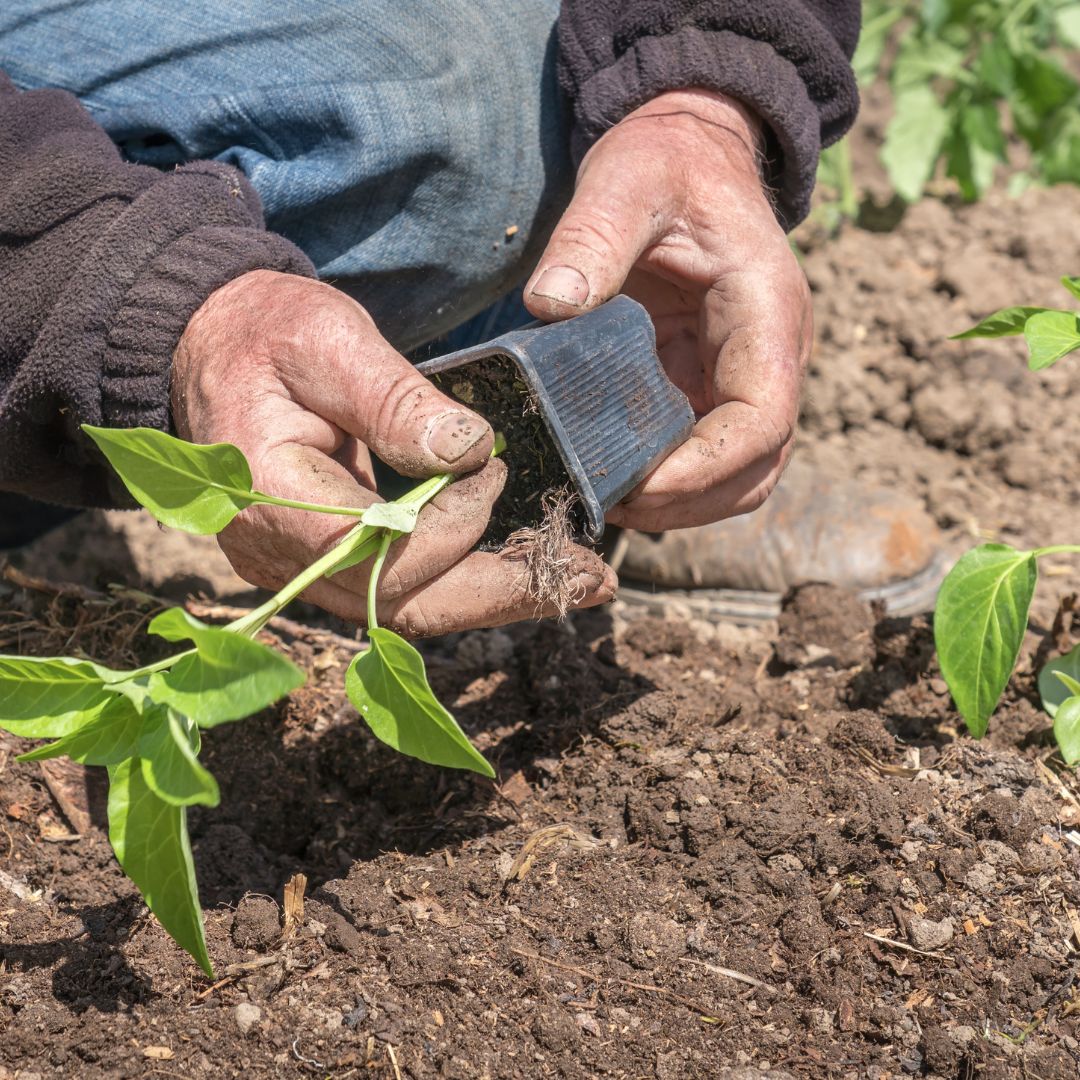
(103, 263)
(788, 60)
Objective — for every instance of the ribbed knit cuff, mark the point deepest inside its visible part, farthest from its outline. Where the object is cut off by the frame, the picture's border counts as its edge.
(126, 306)
(156, 309)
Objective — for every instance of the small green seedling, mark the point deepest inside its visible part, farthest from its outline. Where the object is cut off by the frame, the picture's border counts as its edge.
(982, 608)
(971, 80)
(145, 724)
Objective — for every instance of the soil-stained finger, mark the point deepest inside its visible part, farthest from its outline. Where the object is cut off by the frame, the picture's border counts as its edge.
(492, 590)
(481, 590)
(263, 541)
(742, 493)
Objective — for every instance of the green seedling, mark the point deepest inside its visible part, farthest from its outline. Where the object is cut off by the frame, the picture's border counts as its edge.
(982, 608)
(970, 79)
(145, 724)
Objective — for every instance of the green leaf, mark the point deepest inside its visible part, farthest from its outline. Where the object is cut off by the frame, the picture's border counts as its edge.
(150, 839)
(397, 516)
(1057, 679)
(1058, 155)
(199, 489)
(1072, 284)
(228, 677)
(922, 58)
(1067, 730)
(1050, 335)
(935, 14)
(47, 699)
(975, 148)
(913, 140)
(1003, 323)
(1041, 89)
(1067, 25)
(170, 767)
(979, 625)
(106, 740)
(995, 67)
(389, 687)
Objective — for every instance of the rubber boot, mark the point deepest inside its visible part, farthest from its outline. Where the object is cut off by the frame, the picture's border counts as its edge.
(875, 542)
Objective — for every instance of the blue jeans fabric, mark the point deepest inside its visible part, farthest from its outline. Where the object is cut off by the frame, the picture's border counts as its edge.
(397, 142)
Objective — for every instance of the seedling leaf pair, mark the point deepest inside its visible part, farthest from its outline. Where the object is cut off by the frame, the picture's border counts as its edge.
(227, 676)
(982, 608)
(143, 725)
(1050, 333)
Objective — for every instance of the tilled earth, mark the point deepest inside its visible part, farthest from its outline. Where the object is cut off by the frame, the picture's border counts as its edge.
(703, 857)
(711, 853)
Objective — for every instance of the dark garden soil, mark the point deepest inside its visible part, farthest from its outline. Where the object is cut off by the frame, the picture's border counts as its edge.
(494, 387)
(712, 853)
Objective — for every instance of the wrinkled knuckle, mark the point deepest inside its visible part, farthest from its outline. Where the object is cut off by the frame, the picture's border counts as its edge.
(399, 408)
(778, 431)
(593, 232)
(410, 620)
(395, 582)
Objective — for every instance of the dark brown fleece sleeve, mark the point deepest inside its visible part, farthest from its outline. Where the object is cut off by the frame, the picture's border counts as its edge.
(102, 264)
(788, 60)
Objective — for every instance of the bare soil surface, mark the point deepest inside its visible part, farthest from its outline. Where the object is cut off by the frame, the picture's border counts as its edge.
(699, 858)
(711, 852)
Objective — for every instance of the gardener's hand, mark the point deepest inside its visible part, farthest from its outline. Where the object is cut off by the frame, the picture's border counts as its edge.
(670, 208)
(294, 373)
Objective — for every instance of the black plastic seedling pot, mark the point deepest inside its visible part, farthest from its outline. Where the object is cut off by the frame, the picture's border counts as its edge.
(584, 404)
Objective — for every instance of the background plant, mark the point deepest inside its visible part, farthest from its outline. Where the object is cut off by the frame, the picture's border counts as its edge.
(982, 608)
(967, 76)
(145, 724)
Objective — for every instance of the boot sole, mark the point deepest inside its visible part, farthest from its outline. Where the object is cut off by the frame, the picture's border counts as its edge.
(911, 596)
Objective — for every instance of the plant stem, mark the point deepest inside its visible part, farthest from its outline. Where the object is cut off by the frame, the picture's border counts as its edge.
(353, 547)
(274, 500)
(849, 194)
(373, 585)
(149, 669)
(355, 538)
(1057, 549)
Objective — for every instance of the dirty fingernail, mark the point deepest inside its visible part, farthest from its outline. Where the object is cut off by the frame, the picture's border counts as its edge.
(452, 435)
(564, 284)
(609, 586)
(649, 502)
(594, 587)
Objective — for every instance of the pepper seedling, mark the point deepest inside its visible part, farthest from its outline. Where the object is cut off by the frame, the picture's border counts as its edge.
(144, 725)
(982, 608)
